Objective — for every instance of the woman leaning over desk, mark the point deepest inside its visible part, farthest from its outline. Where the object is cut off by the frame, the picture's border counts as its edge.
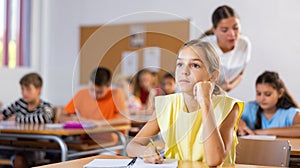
(200, 122)
(232, 47)
(275, 112)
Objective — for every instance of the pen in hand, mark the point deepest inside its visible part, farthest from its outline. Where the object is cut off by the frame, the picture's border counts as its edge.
(131, 162)
(152, 142)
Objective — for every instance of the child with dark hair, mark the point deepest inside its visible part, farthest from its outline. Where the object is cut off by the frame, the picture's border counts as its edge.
(273, 112)
(144, 83)
(125, 83)
(99, 101)
(168, 84)
(30, 108)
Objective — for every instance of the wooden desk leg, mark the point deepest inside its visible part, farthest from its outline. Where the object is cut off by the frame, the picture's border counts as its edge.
(61, 143)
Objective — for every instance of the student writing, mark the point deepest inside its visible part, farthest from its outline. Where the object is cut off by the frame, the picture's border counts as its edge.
(197, 124)
(274, 112)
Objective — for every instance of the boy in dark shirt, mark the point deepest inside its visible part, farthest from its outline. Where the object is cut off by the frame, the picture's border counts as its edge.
(30, 108)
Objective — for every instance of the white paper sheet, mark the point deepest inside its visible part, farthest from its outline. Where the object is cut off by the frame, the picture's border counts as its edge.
(260, 137)
(57, 125)
(120, 163)
(137, 38)
(152, 58)
(129, 64)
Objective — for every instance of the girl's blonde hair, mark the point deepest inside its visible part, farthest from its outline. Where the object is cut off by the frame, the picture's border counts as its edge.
(211, 58)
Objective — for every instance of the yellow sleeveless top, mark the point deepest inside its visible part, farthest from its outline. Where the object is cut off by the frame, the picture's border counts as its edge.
(181, 131)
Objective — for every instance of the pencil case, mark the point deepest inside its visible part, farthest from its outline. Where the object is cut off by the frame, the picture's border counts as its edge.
(78, 125)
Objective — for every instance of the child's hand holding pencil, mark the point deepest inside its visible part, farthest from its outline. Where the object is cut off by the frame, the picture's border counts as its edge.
(152, 143)
(153, 154)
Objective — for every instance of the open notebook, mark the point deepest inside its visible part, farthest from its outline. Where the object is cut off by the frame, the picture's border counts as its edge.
(122, 163)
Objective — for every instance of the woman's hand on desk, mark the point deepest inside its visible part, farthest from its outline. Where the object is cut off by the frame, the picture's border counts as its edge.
(151, 156)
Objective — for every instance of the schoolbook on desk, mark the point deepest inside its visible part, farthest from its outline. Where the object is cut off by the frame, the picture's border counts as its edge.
(122, 163)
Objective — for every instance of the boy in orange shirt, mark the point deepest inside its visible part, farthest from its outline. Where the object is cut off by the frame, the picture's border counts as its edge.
(99, 101)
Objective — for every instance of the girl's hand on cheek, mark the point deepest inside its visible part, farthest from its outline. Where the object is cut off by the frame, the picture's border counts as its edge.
(203, 91)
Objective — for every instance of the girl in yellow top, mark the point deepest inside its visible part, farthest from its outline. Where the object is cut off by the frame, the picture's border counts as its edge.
(198, 124)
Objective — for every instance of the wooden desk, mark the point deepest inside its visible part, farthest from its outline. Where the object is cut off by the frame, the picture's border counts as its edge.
(139, 118)
(79, 163)
(295, 145)
(12, 131)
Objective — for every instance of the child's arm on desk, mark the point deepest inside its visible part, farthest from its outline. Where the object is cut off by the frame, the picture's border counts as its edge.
(291, 131)
(138, 146)
(120, 103)
(123, 119)
(11, 118)
(9, 112)
(243, 129)
(117, 121)
(65, 116)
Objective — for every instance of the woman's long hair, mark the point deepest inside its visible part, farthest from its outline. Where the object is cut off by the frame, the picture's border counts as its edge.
(222, 12)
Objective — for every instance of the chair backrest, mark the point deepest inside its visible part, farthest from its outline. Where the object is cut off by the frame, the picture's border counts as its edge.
(263, 152)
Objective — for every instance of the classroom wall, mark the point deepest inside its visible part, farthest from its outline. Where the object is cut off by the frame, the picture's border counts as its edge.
(271, 25)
